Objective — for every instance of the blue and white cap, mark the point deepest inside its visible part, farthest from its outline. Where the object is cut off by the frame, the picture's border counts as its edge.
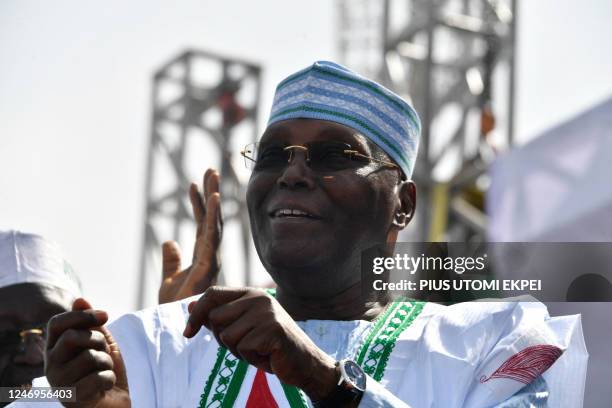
(329, 91)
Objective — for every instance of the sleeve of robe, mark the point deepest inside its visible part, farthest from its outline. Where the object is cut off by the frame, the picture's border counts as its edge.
(156, 379)
(458, 357)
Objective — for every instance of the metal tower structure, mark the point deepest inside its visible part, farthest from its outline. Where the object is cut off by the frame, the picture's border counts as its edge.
(454, 59)
(204, 109)
(360, 35)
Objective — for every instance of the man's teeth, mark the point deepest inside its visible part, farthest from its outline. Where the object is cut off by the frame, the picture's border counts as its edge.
(286, 212)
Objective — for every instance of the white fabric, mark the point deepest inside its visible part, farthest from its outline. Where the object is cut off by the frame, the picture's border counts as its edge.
(29, 258)
(559, 179)
(437, 361)
(557, 188)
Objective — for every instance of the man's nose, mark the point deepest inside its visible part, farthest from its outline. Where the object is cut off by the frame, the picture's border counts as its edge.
(297, 173)
(31, 351)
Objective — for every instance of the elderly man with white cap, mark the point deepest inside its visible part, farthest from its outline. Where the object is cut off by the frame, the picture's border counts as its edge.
(330, 178)
(36, 283)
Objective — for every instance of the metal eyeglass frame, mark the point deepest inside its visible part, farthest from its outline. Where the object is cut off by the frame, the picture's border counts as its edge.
(350, 152)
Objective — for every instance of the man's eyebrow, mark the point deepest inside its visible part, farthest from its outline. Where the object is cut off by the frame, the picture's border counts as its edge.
(360, 141)
(363, 140)
(344, 135)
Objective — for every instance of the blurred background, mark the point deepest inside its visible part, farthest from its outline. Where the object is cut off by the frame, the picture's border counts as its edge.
(109, 109)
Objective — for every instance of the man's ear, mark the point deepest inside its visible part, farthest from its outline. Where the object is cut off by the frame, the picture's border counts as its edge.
(406, 196)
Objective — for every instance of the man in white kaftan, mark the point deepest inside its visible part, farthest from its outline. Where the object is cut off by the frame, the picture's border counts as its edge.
(439, 360)
(331, 178)
(444, 357)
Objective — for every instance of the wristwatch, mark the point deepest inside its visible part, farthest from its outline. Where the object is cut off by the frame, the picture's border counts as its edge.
(350, 388)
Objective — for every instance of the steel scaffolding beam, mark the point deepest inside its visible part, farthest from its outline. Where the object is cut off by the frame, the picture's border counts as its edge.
(203, 106)
(454, 59)
(360, 35)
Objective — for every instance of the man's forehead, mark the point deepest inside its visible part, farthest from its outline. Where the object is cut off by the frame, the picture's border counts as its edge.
(313, 130)
(33, 301)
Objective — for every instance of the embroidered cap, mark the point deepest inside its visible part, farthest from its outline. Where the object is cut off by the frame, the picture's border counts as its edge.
(329, 91)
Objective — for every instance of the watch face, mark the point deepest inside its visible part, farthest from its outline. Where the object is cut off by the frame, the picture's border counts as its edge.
(355, 374)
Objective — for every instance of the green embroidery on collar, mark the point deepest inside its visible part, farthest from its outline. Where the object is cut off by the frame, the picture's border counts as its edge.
(295, 396)
(236, 383)
(375, 331)
(380, 348)
(227, 377)
(229, 372)
(221, 352)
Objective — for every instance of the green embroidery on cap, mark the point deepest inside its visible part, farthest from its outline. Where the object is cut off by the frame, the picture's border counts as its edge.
(366, 83)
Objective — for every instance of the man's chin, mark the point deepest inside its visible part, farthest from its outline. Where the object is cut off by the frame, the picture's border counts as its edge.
(295, 255)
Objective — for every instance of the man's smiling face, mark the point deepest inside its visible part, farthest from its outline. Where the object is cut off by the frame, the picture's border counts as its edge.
(306, 219)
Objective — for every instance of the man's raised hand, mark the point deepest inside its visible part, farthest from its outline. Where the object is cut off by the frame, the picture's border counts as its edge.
(82, 353)
(177, 283)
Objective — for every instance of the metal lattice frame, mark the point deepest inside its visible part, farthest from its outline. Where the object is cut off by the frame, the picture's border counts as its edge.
(204, 107)
(448, 57)
(360, 35)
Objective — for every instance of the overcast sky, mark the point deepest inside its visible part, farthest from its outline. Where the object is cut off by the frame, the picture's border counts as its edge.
(74, 102)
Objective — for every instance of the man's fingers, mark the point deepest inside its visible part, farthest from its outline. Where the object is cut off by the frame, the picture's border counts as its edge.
(213, 297)
(227, 340)
(230, 332)
(72, 342)
(213, 215)
(202, 205)
(80, 319)
(197, 205)
(86, 362)
(211, 183)
(231, 319)
(118, 363)
(93, 386)
(255, 347)
(206, 251)
(171, 259)
(205, 264)
(207, 174)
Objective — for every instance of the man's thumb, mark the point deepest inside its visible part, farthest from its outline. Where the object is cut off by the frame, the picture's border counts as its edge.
(81, 304)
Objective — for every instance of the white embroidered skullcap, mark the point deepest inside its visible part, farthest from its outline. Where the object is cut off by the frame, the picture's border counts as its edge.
(29, 258)
(328, 91)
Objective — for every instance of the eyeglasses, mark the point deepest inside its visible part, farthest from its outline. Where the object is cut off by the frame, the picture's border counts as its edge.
(13, 338)
(323, 156)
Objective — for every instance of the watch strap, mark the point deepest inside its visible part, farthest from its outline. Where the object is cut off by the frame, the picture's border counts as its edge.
(344, 393)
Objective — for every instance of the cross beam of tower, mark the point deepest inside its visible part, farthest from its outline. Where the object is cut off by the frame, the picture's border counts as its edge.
(204, 108)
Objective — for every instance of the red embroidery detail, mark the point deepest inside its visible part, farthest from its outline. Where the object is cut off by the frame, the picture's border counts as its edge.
(260, 396)
(527, 364)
